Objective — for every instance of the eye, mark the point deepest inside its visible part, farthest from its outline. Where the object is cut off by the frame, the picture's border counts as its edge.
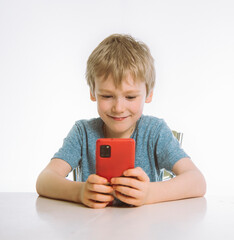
(106, 96)
(130, 97)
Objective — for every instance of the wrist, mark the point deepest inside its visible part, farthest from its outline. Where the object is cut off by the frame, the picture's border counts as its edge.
(148, 196)
(78, 192)
(152, 196)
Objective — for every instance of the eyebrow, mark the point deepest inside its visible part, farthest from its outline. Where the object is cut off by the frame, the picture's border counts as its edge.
(111, 92)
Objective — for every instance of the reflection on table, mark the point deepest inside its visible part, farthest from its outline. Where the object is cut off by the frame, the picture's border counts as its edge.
(42, 218)
(135, 222)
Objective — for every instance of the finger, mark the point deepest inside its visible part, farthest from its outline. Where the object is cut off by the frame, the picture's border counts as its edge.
(137, 172)
(93, 178)
(126, 199)
(96, 205)
(100, 197)
(131, 192)
(100, 188)
(127, 181)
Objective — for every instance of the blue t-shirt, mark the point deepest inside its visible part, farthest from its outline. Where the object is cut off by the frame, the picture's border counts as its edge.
(154, 140)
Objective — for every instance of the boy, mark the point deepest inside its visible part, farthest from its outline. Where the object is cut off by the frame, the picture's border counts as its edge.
(121, 76)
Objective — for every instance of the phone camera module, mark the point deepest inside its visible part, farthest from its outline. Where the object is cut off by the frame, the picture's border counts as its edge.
(105, 151)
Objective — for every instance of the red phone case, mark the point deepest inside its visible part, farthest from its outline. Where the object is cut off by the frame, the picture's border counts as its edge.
(120, 158)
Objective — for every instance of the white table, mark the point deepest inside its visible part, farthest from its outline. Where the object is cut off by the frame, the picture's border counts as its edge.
(27, 216)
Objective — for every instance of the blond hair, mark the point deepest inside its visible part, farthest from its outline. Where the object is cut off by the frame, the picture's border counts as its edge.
(118, 55)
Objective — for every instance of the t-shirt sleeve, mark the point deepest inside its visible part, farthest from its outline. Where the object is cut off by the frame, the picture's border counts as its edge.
(168, 150)
(71, 150)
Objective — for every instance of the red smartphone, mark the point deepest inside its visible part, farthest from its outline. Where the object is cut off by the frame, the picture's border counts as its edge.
(114, 156)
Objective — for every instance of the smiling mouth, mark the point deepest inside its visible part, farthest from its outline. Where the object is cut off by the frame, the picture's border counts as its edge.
(118, 118)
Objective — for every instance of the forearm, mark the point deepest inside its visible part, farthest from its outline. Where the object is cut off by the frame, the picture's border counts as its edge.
(186, 185)
(52, 185)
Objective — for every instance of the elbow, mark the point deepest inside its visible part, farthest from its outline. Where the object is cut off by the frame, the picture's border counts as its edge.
(39, 188)
(203, 192)
(201, 186)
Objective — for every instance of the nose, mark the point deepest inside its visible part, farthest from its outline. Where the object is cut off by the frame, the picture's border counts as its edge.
(118, 106)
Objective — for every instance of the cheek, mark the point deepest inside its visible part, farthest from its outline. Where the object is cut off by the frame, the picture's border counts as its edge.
(136, 106)
(102, 105)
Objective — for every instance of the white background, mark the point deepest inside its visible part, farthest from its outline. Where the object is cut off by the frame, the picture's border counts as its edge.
(44, 46)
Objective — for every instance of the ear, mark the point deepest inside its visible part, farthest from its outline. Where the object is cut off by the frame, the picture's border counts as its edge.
(149, 97)
(92, 97)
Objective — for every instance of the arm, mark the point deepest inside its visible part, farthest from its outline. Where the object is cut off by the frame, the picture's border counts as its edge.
(52, 183)
(188, 183)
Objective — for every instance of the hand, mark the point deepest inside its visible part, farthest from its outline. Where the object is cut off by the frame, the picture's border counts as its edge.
(95, 192)
(133, 188)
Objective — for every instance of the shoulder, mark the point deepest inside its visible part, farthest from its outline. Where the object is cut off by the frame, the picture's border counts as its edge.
(151, 123)
(91, 128)
(150, 119)
(89, 123)
(153, 128)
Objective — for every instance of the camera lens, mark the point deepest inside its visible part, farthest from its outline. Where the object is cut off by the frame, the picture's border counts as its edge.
(105, 151)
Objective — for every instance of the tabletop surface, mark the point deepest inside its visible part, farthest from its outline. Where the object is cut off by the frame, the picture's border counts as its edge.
(28, 216)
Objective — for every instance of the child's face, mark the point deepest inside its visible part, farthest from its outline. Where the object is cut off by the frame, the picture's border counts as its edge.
(120, 107)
